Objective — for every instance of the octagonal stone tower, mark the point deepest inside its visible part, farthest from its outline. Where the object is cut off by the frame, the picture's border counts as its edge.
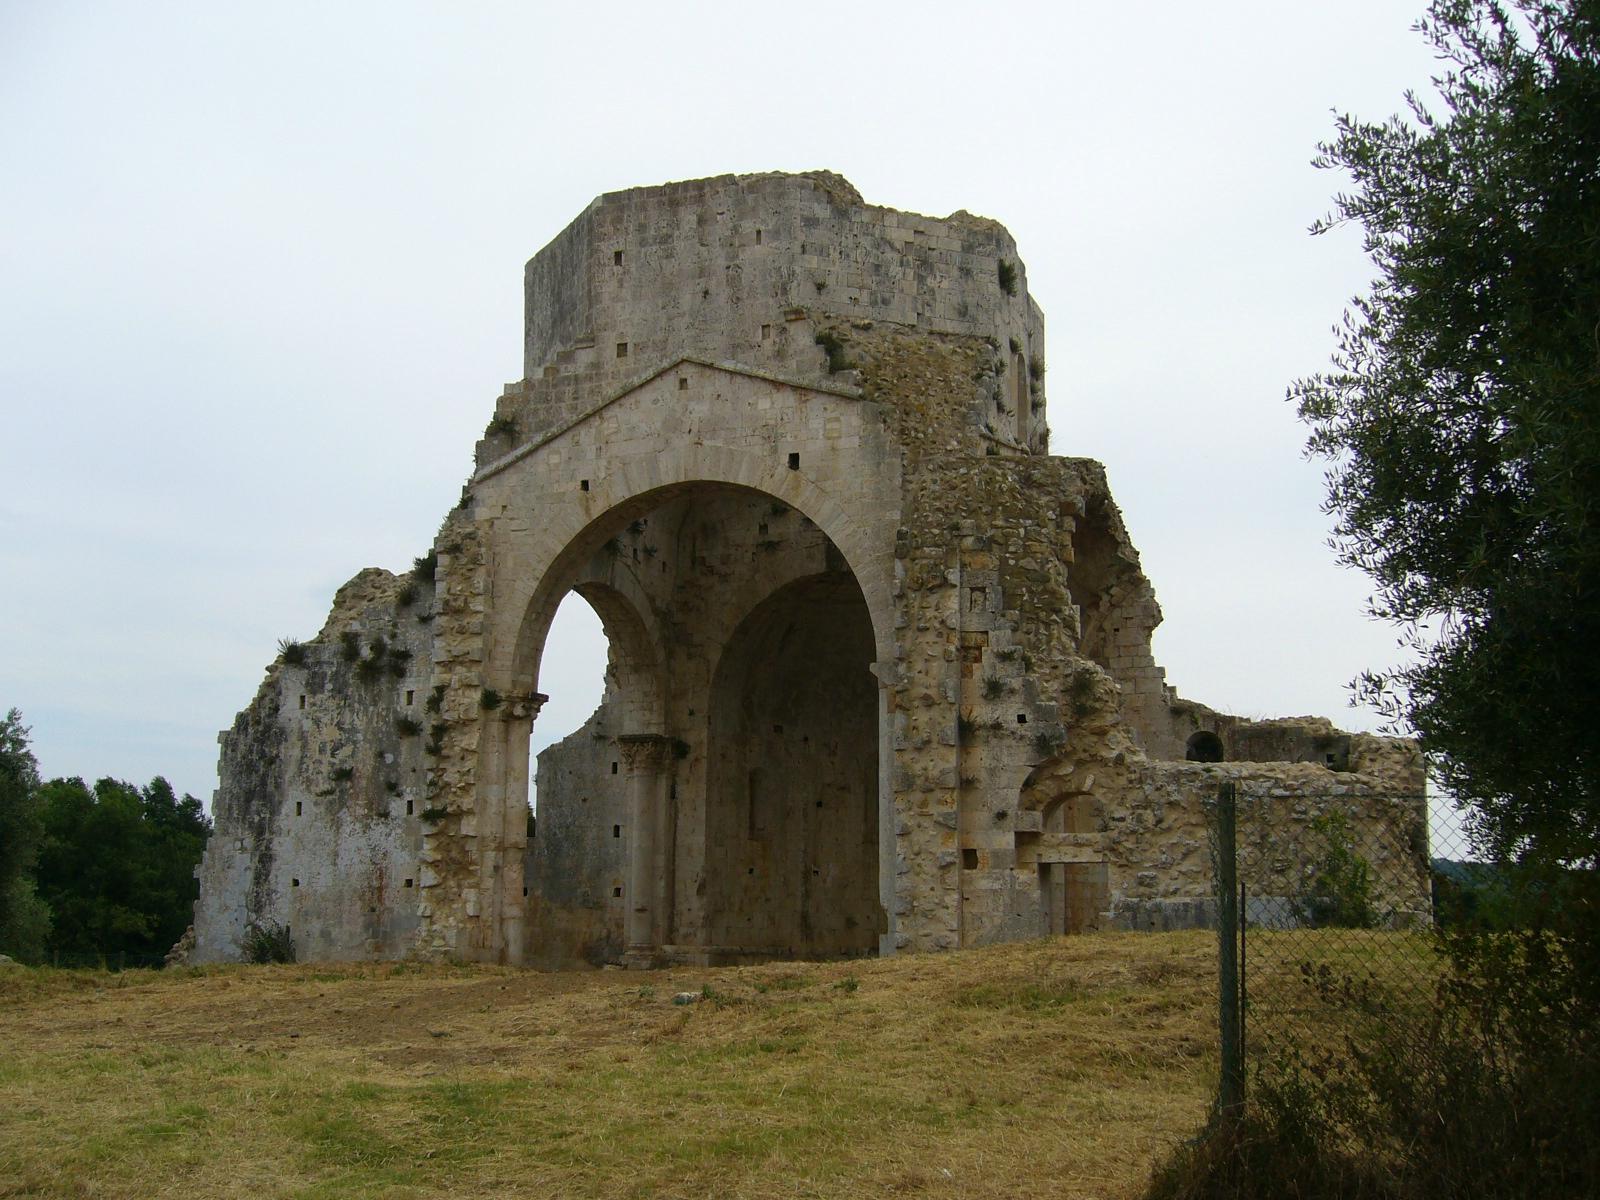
(880, 673)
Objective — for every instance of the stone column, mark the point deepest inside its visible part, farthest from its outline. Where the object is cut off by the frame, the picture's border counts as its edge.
(888, 676)
(647, 756)
(513, 906)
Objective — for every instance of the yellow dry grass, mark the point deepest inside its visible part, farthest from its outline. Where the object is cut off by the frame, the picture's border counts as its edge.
(1058, 1068)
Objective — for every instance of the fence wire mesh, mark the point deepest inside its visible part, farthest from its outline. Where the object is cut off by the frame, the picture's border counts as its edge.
(1336, 903)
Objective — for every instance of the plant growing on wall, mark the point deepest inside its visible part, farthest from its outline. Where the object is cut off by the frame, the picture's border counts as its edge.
(292, 652)
(267, 942)
(833, 345)
(1340, 892)
(1048, 742)
(1008, 276)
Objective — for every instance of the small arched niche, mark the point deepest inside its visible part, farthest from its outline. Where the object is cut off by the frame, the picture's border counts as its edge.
(1204, 747)
(1076, 812)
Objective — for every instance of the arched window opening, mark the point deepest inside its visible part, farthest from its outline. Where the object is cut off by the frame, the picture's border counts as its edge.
(573, 674)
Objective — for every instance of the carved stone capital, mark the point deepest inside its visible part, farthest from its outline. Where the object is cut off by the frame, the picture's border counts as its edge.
(526, 707)
(645, 751)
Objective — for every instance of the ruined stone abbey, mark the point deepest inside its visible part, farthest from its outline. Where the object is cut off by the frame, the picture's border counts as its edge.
(880, 674)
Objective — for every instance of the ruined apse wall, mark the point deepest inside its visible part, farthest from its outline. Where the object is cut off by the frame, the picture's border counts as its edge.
(743, 397)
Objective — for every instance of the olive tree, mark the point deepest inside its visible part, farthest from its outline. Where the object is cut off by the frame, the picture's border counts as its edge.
(1461, 415)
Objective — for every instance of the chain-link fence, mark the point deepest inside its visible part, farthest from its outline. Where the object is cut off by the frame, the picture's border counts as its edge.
(1329, 906)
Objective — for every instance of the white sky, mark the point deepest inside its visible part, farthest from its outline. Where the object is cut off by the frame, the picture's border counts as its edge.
(261, 281)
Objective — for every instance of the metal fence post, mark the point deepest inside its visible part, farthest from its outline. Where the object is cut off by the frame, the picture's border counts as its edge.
(1230, 1095)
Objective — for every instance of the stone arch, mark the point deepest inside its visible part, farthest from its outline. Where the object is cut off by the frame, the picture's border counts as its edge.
(626, 496)
(635, 655)
(1204, 746)
(1074, 812)
(547, 528)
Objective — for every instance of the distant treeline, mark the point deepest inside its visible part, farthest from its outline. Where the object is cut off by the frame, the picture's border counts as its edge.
(1503, 896)
(92, 875)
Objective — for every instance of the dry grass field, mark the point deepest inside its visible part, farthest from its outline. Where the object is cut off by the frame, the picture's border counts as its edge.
(1059, 1068)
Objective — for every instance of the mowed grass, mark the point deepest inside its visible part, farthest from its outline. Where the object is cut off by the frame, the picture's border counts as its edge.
(1057, 1068)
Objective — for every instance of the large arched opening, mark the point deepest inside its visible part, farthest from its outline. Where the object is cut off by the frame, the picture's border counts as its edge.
(792, 788)
(741, 655)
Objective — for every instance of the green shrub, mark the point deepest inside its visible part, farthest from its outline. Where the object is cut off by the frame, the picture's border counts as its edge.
(1488, 1092)
(1340, 893)
(267, 942)
(293, 652)
(1008, 276)
(423, 569)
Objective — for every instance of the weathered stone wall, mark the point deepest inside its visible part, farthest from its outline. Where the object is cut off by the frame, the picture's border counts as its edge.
(320, 816)
(716, 269)
(576, 859)
(880, 671)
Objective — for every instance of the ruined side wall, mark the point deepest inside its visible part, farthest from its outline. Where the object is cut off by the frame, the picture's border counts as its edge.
(1101, 801)
(318, 817)
(577, 853)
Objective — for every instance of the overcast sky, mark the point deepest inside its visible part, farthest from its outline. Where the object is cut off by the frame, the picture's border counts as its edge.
(261, 281)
